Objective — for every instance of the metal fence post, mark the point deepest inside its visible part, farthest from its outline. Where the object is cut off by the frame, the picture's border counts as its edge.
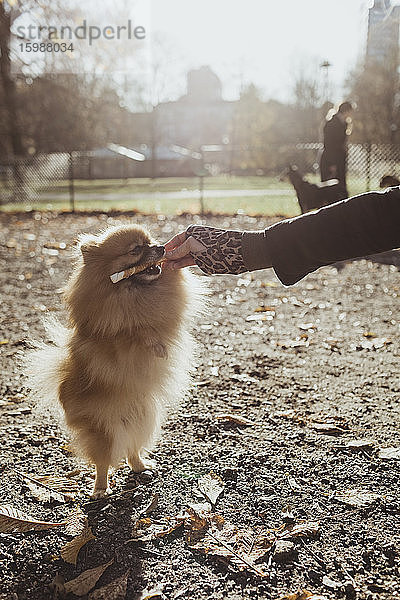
(201, 190)
(71, 182)
(368, 173)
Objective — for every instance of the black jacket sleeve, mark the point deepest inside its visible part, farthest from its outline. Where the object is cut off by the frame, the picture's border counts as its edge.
(358, 226)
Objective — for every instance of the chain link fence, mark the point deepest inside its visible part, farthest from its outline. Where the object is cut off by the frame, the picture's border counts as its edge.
(366, 163)
(51, 180)
(34, 180)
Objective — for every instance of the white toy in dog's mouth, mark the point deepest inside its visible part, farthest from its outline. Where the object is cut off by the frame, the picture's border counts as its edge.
(153, 269)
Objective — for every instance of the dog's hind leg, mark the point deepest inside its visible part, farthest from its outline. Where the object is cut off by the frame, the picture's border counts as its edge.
(101, 488)
(141, 432)
(139, 464)
(97, 448)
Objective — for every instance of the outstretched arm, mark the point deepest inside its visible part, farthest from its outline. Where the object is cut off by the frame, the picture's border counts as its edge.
(358, 226)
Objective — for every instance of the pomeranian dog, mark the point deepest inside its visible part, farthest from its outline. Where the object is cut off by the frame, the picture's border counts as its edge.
(127, 353)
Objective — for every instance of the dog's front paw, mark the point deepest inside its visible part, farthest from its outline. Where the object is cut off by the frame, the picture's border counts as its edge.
(98, 494)
(160, 350)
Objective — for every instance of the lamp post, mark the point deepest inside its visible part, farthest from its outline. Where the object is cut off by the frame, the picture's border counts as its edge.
(325, 65)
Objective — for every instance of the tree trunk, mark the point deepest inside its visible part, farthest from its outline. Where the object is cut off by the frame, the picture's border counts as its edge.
(9, 88)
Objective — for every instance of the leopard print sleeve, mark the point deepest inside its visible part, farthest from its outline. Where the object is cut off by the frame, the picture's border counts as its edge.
(223, 250)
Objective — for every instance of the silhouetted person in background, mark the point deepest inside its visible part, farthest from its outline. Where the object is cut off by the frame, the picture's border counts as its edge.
(334, 155)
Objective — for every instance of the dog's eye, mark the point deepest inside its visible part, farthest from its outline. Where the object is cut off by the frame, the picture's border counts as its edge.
(135, 251)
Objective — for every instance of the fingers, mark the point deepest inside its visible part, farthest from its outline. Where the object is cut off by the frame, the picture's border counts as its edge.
(174, 265)
(178, 252)
(188, 246)
(177, 240)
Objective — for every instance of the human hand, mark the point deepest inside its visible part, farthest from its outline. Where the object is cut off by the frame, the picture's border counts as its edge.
(178, 251)
(213, 250)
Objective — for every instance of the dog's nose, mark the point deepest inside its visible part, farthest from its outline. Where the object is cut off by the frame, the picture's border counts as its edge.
(159, 249)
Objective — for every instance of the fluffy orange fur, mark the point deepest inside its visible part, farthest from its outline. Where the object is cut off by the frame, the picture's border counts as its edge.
(127, 352)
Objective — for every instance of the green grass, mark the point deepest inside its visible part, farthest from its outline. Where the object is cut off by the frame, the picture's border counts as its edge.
(247, 205)
(171, 184)
(148, 196)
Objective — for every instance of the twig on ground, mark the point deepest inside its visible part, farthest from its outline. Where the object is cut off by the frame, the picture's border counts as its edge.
(317, 558)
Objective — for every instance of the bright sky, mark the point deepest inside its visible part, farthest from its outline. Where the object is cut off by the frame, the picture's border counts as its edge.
(265, 41)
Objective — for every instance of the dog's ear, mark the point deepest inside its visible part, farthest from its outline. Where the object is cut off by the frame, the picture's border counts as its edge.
(87, 244)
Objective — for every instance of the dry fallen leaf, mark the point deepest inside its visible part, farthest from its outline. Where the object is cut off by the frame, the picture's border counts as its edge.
(151, 506)
(211, 486)
(12, 519)
(260, 317)
(301, 529)
(302, 595)
(236, 419)
(47, 487)
(145, 529)
(360, 444)
(211, 535)
(115, 590)
(76, 522)
(82, 584)
(63, 485)
(389, 453)
(70, 551)
(357, 498)
(151, 595)
(328, 428)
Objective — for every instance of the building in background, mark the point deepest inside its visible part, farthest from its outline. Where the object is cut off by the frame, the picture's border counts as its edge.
(201, 117)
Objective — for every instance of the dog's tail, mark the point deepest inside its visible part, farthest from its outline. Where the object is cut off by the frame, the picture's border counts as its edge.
(43, 364)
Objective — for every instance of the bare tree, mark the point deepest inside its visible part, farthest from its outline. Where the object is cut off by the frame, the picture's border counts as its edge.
(306, 105)
(375, 88)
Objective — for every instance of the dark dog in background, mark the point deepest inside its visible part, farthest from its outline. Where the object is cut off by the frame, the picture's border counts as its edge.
(312, 195)
(389, 181)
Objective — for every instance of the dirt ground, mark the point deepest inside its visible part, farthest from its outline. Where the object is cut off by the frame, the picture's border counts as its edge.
(310, 369)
